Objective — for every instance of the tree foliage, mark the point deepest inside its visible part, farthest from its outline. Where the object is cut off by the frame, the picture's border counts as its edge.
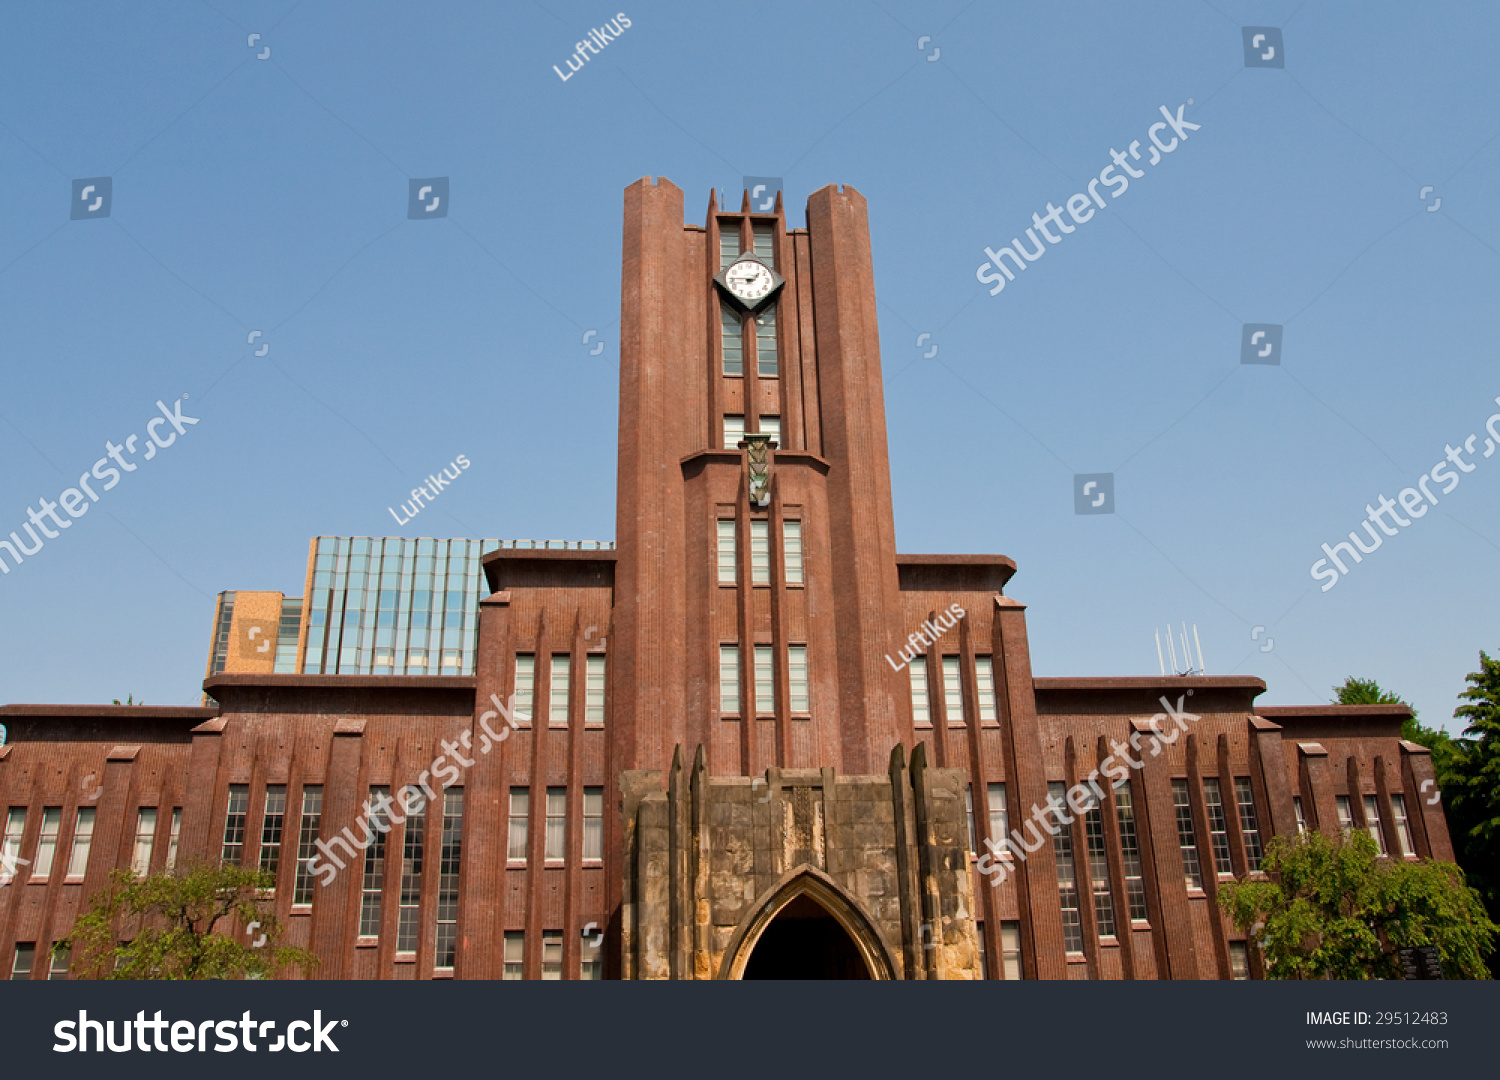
(1333, 908)
(1469, 778)
(178, 926)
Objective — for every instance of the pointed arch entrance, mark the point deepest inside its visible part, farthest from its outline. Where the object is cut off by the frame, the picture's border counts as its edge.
(806, 927)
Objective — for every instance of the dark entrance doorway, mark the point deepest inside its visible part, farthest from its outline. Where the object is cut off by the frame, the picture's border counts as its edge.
(805, 942)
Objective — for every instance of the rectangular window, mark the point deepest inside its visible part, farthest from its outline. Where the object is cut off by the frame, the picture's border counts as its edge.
(557, 824)
(593, 692)
(593, 824)
(1067, 877)
(953, 692)
(771, 425)
(921, 708)
(984, 953)
(1403, 825)
(984, 678)
(520, 821)
(557, 698)
(408, 922)
(57, 967)
(729, 570)
(10, 851)
(83, 839)
(1218, 827)
(515, 954)
(174, 837)
(145, 840)
(1244, 800)
(372, 887)
(765, 681)
(1372, 822)
(797, 678)
(732, 333)
(760, 553)
(591, 957)
(1187, 840)
(999, 818)
(1010, 949)
(791, 551)
(271, 827)
(235, 812)
(729, 241)
(764, 247)
(729, 679)
(1093, 836)
(449, 857)
(1301, 817)
(765, 344)
(1130, 851)
(525, 685)
(1239, 960)
(307, 842)
(734, 432)
(46, 843)
(969, 815)
(20, 965)
(1346, 815)
(552, 950)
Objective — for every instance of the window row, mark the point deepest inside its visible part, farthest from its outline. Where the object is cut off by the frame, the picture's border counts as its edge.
(560, 687)
(734, 429)
(758, 331)
(590, 955)
(951, 673)
(23, 961)
(554, 819)
(1370, 805)
(1245, 819)
(1010, 951)
(763, 671)
(760, 552)
(43, 861)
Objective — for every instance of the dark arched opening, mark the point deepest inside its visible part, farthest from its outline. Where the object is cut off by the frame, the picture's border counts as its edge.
(803, 941)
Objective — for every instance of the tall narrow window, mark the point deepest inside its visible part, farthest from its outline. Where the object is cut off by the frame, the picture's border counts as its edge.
(271, 826)
(552, 949)
(729, 241)
(1244, 800)
(520, 819)
(999, 818)
(791, 551)
(1346, 815)
(449, 857)
(145, 840)
(921, 706)
(732, 332)
(969, 816)
(57, 968)
(83, 839)
(173, 837)
(515, 954)
(557, 824)
(984, 680)
(1187, 840)
(593, 824)
(729, 571)
(765, 343)
(593, 692)
(20, 965)
(408, 922)
(729, 679)
(1218, 827)
(1010, 949)
(771, 425)
(796, 656)
(1301, 817)
(372, 887)
(591, 957)
(1093, 835)
(762, 237)
(235, 813)
(734, 432)
(1067, 877)
(525, 687)
(953, 692)
(1239, 960)
(760, 553)
(1403, 825)
(1130, 851)
(1372, 822)
(557, 699)
(46, 843)
(307, 842)
(10, 850)
(765, 681)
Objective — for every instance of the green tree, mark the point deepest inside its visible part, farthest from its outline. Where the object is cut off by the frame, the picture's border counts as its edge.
(1469, 779)
(1356, 691)
(179, 919)
(1333, 908)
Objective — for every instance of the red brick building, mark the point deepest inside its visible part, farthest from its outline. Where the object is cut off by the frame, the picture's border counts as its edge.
(751, 739)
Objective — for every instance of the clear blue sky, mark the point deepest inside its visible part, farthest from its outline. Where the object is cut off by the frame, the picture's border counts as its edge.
(271, 195)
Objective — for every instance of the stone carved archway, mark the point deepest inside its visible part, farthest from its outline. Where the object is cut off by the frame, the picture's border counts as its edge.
(808, 881)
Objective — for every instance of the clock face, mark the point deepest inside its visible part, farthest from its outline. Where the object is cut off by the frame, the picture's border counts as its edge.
(749, 280)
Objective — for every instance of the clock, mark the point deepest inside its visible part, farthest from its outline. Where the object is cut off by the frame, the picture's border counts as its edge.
(749, 281)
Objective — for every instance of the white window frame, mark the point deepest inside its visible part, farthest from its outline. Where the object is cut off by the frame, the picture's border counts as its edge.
(518, 834)
(765, 680)
(728, 552)
(984, 679)
(145, 840)
(730, 700)
(953, 690)
(559, 680)
(760, 552)
(525, 688)
(791, 550)
(921, 693)
(594, 669)
(555, 840)
(796, 666)
(734, 430)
